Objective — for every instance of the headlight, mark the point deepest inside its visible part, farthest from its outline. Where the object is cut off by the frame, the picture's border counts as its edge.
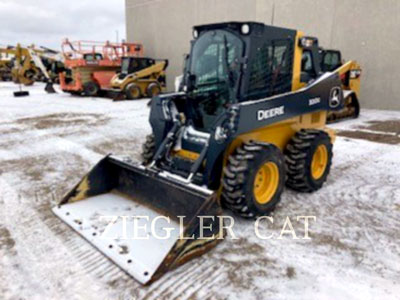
(195, 34)
(354, 74)
(245, 29)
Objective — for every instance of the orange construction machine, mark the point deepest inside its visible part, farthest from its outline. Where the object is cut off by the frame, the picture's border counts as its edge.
(90, 66)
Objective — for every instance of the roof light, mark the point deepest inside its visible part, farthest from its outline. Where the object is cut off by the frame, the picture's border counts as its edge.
(306, 42)
(245, 29)
(195, 34)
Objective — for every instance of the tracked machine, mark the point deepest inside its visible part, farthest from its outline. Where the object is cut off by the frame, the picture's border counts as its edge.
(247, 123)
(350, 75)
(90, 66)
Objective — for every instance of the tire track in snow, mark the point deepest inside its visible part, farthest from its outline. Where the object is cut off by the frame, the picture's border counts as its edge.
(93, 262)
(46, 273)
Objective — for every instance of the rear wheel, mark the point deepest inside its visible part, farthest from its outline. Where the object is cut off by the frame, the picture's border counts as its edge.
(308, 159)
(148, 149)
(73, 93)
(91, 88)
(132, 91)
(253, 179)
(153, 90)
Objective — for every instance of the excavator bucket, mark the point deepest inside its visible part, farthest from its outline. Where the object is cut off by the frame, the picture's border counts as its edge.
(144, 221)
(49, 88)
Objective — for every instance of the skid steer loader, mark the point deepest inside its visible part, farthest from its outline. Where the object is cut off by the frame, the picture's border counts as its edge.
(247, 123)
(139, 77)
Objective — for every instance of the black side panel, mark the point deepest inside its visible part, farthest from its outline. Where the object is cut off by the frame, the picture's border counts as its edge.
(252, 115)
(260, 113)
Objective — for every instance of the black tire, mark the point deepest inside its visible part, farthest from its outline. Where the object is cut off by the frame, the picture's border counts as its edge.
(356, 105)
(238, 181)
(148, 149)
(132, 91)
(30, 74)
(299, 155)
(73, 93)
(91, 89)
(153, 89)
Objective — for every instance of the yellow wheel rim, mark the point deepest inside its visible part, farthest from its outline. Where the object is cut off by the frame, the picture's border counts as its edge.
(155, 90)
(135, 92)
(266, 182)
(319, 162)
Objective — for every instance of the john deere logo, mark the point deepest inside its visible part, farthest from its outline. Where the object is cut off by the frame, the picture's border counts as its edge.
(336, 97)
(270, 113)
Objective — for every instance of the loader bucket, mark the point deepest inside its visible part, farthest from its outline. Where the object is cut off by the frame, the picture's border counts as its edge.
(126, 211)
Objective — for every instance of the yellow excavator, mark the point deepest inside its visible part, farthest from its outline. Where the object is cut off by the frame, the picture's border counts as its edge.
(139, 77)
(27, 66)
(250, 120)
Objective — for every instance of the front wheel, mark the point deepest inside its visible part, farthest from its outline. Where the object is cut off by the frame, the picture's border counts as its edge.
(91, 89)
(148, 149)
(133, 92)
(253, 180)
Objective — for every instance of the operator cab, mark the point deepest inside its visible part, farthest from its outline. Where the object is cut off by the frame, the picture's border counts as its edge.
(92, 56)
(330, 60)
(218, 73)
(132, 65)
(316, 61)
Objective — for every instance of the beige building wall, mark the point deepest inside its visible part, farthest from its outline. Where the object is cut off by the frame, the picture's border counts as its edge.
(364, 30)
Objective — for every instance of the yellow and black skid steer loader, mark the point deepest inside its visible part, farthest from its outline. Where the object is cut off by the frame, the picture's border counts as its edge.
(139, 77)
(247, 123)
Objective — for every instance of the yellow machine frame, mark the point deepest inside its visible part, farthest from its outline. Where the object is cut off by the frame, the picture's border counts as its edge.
(141, 78)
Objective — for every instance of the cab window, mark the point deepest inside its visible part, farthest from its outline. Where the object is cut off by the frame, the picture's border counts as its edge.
(271, 70)
(331, 61)
(306, 62)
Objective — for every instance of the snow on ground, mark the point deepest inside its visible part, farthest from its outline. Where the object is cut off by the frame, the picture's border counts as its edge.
(48, 142)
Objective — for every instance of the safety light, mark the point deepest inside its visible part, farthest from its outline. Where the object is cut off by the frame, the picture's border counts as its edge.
(195, 34)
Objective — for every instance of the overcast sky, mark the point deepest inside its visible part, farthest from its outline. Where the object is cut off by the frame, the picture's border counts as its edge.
(47, 22)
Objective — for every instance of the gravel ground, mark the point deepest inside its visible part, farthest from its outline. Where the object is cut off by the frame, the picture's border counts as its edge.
(48, 142)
